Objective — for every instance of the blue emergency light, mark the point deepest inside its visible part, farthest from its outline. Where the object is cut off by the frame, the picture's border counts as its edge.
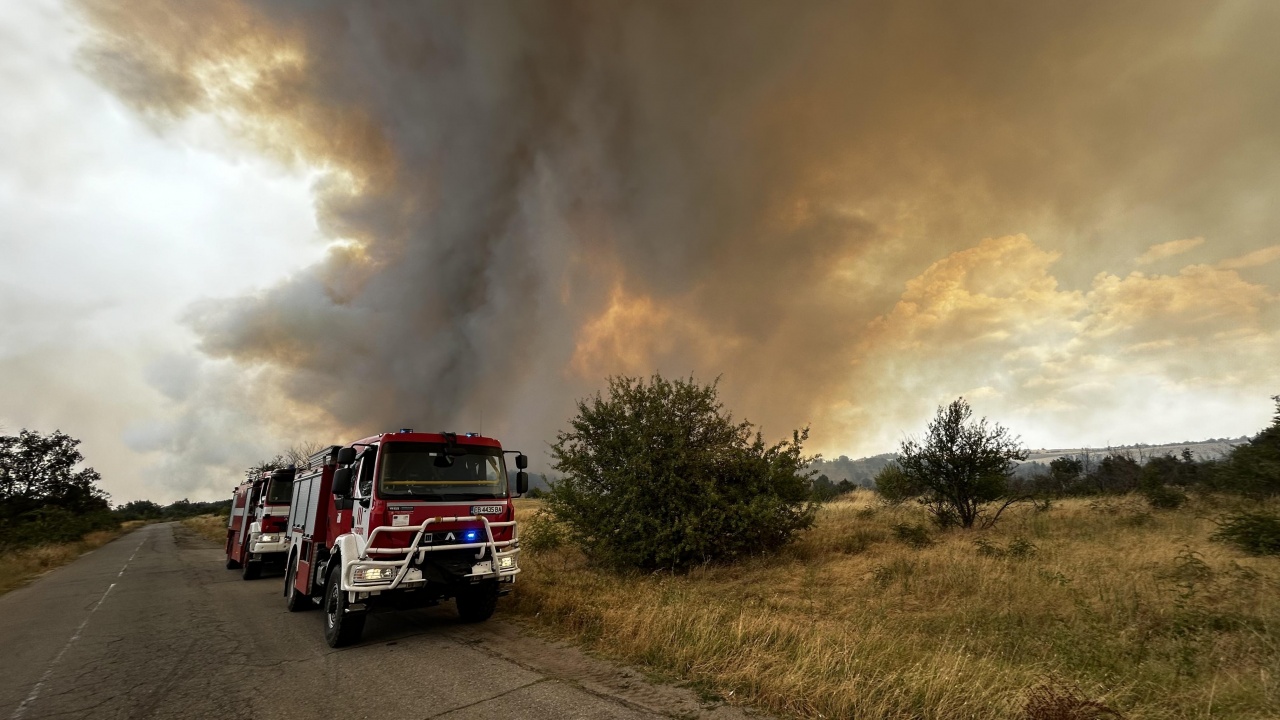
(471, 536)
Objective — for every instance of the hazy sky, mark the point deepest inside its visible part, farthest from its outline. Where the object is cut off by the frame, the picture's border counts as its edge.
(231, 226)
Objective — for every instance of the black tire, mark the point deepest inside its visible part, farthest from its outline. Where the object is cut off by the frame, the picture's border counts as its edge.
(476, 603)
(341, 628)
(296, 601)
(232, 564)
(252, 570)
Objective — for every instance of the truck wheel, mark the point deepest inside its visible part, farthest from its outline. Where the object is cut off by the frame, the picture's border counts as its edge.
(340, 627)
(252, 570)
(232, 564)
(476, 603)
(297, 601)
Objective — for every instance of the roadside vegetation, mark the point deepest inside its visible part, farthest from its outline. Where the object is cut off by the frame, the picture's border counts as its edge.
(52, 510)
(1103, 600)
(657, 475)
(19, 566)
(1108, 587)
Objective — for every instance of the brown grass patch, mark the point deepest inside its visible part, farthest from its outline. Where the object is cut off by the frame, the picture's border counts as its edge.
(21, 566)
(210, 527)
(1147, 617)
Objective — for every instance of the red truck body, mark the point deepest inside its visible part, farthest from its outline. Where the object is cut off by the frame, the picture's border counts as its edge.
(256, 537)
(401, 520)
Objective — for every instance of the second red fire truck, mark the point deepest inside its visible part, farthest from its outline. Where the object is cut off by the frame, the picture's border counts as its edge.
(402, 520)
(256, 536)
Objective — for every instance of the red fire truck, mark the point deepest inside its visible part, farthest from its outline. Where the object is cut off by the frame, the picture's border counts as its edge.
(402, 520)
(256, 529)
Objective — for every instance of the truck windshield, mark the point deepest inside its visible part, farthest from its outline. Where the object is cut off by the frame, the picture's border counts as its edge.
(425, 471)
(279, 492)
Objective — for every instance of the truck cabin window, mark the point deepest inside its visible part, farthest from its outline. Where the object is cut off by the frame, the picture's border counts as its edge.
(279, 492)
(364, 488)
(425, 471)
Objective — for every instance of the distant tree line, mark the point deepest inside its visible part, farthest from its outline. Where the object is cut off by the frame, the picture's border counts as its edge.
(1251, 469)
(45, 497)
(181, 509)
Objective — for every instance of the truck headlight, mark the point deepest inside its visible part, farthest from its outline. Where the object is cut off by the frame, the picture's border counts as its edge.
(269, 537)
(365, 573)
(506, 563)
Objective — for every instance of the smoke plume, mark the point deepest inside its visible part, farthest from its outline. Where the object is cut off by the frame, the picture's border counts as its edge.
(527, 197)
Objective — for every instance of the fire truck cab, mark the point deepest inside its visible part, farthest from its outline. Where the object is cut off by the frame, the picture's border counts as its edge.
(403, 520)
(256, 528)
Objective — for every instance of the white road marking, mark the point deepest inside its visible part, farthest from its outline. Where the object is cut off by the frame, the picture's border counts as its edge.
(126, 562)
(35, 691)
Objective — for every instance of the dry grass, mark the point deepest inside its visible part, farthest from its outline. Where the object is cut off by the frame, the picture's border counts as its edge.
(1129, 609)
(19, 567)
(210, 527)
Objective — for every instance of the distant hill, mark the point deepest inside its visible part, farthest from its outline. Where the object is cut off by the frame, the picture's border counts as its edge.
(1201, 449)
(863, 470)
(859, 472)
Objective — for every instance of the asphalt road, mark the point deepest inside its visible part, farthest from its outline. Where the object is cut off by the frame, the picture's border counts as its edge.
(152, 626)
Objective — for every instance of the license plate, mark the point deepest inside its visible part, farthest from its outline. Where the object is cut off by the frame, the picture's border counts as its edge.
(487, 509)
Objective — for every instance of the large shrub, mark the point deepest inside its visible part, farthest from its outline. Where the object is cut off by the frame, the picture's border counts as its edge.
(658, 475)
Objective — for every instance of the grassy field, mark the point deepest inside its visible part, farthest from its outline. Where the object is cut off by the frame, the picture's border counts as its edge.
(19, 567)
(211, 527)
(1106, 601)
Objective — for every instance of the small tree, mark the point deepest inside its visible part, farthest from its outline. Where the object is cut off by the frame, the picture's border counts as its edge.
(254, 472)
(656, 475)
(961, 465)
(1064, 472)
(298, 454)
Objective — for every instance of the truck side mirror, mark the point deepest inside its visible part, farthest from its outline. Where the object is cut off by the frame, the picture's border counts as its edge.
(522, 482)
(346, 456)
(341, 482)
(522, 461)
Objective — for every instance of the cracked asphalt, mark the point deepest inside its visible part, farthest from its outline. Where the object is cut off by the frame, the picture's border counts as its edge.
(152, 626)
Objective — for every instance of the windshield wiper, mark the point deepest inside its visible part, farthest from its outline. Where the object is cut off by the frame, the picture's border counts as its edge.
(425, 496)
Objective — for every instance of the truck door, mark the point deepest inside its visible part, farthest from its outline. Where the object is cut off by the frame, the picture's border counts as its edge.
(361, 521)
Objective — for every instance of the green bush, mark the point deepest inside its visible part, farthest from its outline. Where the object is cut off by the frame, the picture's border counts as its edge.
(1164, 497)
(894, 486)
(1019, 548)
(542, 532)
(917, 536)
(1257, 533)
(657, 475)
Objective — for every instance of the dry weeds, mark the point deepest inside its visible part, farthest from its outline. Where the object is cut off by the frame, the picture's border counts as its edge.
(210, 527)
(21, 566)
(1133, 609)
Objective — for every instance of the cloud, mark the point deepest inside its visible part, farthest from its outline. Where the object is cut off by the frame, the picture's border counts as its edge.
(1168, 249)
(1065, 363)
(1257, 258)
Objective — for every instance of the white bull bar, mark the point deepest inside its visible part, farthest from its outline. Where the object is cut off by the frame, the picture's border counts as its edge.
(416, 548)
